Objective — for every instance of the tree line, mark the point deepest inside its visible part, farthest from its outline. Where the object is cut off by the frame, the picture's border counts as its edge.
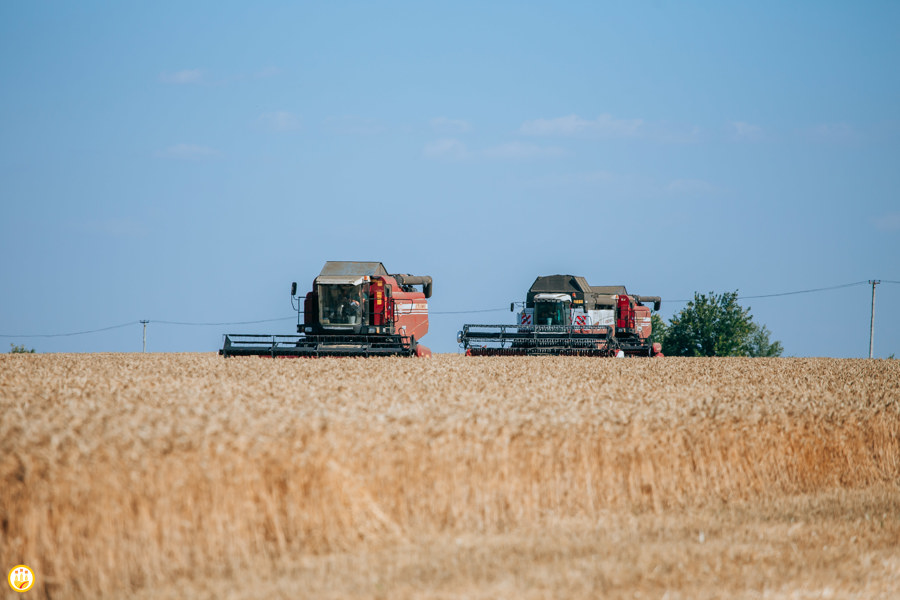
(714, 325)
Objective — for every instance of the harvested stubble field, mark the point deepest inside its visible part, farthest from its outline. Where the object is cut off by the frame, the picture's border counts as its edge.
(174, 476)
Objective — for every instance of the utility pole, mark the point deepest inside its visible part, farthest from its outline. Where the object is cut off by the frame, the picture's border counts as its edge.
(874, 282)
(144, 349)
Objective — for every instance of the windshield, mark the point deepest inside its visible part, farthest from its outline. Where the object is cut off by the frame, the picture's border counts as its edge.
(341, 304)
(550, 313)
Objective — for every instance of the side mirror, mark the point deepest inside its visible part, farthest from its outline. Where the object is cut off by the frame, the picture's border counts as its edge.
(294, 289)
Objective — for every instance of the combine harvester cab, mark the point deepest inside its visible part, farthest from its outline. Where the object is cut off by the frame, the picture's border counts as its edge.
(563, 315)
(354, 309)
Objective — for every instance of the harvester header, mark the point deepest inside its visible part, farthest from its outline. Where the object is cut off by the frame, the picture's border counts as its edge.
(353, 309)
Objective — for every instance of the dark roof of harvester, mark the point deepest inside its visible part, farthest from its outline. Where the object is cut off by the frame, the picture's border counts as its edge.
(609, 290)
(566, 284)
(594, 296)
(348, 267)
(560, 284)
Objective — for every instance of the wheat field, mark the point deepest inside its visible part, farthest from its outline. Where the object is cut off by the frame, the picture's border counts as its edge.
(188, 475)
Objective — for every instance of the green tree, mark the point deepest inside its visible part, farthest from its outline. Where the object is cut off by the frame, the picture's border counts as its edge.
(658, 329)
(716, 325)
(758, 343)
(20, 349)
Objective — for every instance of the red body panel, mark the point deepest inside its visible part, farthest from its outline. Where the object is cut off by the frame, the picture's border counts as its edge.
(642, 321)
(410, 310)
(624, 313)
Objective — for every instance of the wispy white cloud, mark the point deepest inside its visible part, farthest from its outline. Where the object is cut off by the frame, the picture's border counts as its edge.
(522, 150)
(351, 125)
(604, 126)
(446, 149)
(742, 131)
(450, 126)
(280, 121)
(888, 222)
(188, 152)
(183, 77)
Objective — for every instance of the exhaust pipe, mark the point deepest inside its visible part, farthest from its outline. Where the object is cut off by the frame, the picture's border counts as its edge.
(423, 280)
(656, 300)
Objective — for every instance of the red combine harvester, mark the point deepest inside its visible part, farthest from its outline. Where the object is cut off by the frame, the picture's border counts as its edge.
(563, 315)
(354, 309)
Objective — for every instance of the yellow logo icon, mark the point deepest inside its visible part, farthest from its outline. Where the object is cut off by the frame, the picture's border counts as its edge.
(21, 578)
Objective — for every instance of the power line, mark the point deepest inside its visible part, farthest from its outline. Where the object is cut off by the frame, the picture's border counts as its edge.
(51, 335)
(142, 321)
(833, 287)
(222, 324)
(809, 291)
(439, 312)
(465, 312)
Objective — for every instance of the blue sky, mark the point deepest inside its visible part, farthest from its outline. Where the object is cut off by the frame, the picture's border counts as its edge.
(185, 162)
